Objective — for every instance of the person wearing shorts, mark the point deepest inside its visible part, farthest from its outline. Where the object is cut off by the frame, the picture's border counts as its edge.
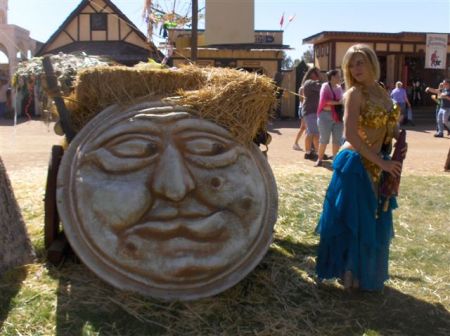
(311, 93)
(302, 125)
(328, 120)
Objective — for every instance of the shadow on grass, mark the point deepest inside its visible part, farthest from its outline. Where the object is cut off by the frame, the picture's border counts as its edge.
(279, 297)
(406, 278)
(10, 284)
(388, 313)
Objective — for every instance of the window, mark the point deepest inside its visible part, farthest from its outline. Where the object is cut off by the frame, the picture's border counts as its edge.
(99, 21)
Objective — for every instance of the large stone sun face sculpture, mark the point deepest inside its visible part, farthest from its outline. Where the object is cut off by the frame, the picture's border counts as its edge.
(156, 200)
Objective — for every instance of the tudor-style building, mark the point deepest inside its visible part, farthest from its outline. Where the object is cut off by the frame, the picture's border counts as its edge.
(99, 28)
(401, 55)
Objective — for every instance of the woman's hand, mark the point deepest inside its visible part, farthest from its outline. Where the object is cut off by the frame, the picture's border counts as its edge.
(392, 167)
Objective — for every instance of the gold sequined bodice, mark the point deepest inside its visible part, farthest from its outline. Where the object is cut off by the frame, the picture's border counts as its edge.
(376, 126)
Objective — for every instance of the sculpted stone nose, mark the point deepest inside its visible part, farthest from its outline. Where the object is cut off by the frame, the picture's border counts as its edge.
(171, 178)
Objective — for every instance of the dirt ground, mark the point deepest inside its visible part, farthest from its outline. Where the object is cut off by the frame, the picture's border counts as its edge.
(28, 145)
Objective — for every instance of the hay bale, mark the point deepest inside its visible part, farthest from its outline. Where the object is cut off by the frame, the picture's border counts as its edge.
(15, 246)
(240, 101)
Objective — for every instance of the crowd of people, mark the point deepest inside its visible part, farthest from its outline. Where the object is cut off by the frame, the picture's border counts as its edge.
(321, 100)
(320, 114)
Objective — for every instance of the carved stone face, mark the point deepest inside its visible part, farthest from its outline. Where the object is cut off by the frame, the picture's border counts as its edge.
(166, 202)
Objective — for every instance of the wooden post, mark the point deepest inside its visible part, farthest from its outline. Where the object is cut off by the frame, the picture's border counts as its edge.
(53, 87)
(194, 31)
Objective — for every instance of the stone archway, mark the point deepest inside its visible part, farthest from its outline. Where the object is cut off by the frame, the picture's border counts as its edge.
(14, 41)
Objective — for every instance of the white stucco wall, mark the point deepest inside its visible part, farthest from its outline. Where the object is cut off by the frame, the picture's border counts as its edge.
(230, 21)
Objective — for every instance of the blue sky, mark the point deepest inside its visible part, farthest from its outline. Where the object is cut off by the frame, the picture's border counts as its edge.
(43, 17)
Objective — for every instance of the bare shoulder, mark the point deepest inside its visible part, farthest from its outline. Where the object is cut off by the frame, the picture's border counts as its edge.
(353, 94)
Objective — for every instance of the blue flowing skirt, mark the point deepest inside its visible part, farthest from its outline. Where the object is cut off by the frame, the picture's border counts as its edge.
(355, 231)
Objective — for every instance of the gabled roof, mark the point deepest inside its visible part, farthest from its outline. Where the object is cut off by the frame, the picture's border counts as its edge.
(83, 4)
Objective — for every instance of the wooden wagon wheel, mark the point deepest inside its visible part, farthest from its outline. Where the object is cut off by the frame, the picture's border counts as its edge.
(51, 228)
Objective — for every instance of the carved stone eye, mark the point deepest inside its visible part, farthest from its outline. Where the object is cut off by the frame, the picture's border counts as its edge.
(136, 148)
(218, 148)
(205, 147)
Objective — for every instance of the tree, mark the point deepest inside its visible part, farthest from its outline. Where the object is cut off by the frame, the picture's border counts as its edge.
(308, 55)
(287, 62)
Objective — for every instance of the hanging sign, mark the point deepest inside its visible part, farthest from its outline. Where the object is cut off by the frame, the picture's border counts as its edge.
(436, 51)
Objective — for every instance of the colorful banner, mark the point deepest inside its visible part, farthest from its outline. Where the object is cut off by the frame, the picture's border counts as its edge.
(436, 53)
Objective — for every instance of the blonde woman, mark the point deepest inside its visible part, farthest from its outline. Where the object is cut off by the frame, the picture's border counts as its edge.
(355, 230)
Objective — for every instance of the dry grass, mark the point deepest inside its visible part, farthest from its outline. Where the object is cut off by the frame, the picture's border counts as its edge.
(240, 101)
(280, 297)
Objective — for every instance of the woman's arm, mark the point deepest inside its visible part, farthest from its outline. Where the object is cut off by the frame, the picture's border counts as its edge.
(326, 97)
(300, 94)
(353, 103)
(339, 96)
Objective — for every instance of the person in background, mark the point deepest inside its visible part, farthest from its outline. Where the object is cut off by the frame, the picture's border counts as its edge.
(444, 110)
(328, 120)
(3, 96)
(400, 97)
(416, 92)
(438, 104)
(311, 92)
(302, 125)
(278, 79)
(355, 226)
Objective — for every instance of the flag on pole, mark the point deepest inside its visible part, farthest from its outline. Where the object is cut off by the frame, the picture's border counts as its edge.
(292, 17)
(282, 20)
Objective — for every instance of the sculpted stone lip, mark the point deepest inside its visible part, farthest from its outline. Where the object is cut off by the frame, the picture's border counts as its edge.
(205, 229)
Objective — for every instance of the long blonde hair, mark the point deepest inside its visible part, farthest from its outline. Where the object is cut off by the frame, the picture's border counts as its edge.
(370, 57)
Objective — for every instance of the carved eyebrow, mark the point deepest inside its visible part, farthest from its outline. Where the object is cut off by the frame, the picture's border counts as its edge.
(200, 127)
(136, 127)
(165, 117)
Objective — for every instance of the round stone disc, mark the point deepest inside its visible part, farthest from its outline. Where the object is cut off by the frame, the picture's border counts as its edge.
(156, 200)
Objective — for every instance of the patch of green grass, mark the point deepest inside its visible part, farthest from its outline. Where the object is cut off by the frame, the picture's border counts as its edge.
(280, 297)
